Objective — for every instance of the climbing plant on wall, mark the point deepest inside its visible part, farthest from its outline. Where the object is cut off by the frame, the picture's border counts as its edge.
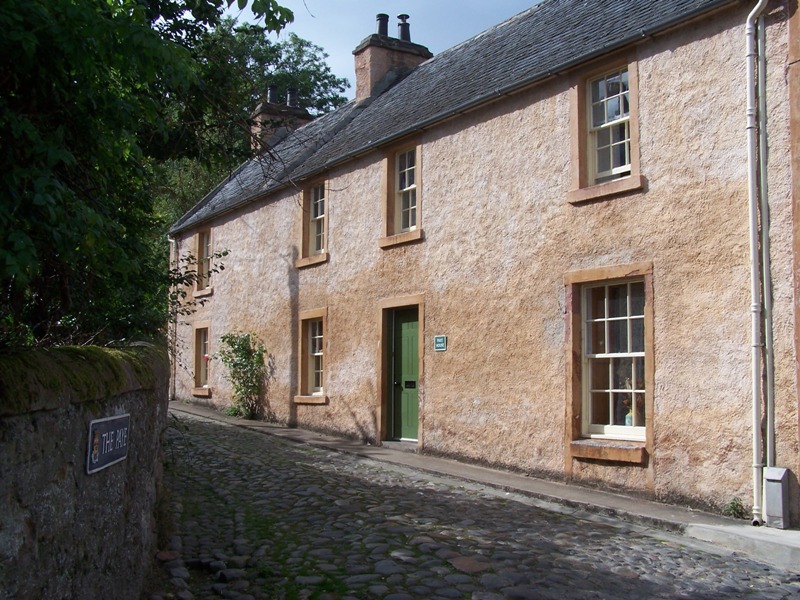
(243, 354)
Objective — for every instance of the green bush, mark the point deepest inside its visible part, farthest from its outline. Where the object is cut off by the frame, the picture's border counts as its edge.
(736, 509)
(243, 355)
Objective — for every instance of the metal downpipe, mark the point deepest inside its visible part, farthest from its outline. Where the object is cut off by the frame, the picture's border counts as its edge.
(755, 292)
(766, 260)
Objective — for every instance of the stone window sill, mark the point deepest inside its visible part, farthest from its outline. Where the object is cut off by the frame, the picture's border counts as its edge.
(202, 392)
(610, 450)
(401, 238)
(606, 190)
(203, 293)
(310, 399)
(310, 261)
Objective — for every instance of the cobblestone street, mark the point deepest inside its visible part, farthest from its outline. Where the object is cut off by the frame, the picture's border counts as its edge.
(259, 517)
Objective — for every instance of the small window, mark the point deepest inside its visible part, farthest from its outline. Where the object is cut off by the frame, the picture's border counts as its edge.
(614, 360)
(406, 192)
(315, 226)
(317, 220)
(610, 372)
(204, 260)
(609, 126)
(316, 368)
(311, 375)
(403, 209)
(604, 119)
(201, 357)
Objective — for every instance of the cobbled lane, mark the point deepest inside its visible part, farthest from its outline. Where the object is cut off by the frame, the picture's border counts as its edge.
(258, 517)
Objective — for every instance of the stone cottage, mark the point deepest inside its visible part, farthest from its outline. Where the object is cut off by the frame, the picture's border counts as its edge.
(540, 250)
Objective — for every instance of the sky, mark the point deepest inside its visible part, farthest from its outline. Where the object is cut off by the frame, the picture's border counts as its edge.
(338, 26)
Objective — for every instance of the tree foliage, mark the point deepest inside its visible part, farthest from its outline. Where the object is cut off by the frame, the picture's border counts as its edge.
(79, 81)
(211, 121)
(98, 101)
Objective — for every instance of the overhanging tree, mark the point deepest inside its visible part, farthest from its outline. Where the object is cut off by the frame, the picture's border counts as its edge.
(91, 95)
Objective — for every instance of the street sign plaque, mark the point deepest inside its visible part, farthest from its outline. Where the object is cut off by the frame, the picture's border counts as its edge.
(108, 442)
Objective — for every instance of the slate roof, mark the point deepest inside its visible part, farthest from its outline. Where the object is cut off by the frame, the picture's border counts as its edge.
(546, 39)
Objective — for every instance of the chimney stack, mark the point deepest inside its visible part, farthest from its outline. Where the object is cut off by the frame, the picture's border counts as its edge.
(291, 98)
(382, 61)
(271, 117)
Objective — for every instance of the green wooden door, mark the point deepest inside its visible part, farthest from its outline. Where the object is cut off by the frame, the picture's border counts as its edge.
(405, 378)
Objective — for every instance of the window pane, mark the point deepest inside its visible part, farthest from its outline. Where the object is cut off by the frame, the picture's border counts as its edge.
(624, 80)
(603, 160)
(597, 303)
(639, 410)
(619, 133)
(319, 236)
(637, 335)
(618, 300)
(638, 371)
(598, 114)
(637, 298)
(410, 178)
(612, 109)
(620, 155)
(599, 377)
(600, 414)
(622, 409)
(597, 343)
(401, 162)
(618, 336)
(401, 183)
(317, 383)
(626, 105)
(598, 90)
(411, 160)
(603, 138)
(613, 84)
(623, 374)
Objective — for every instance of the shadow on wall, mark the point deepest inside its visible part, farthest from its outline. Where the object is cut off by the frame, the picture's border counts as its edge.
(366, 430)
(293, 284)
(264, 405)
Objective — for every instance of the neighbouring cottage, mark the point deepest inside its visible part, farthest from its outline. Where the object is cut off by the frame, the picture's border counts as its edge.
(533, 251)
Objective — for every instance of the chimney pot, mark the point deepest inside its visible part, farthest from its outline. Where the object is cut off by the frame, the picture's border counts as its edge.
(383, 23)
(291, 97)
(403, 28)
(272, 94)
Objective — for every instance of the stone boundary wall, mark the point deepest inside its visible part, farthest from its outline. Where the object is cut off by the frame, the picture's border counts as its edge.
(65, 533)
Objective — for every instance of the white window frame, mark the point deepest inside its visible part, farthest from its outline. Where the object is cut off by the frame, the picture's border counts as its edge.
(311, 351)
(611, 121)
(204, 260)
(316, 220)
(201, 356)
(636, 431)
(316, 357)
(405, 190)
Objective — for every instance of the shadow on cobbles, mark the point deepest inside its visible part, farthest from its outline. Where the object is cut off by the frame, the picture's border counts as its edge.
(259, 517)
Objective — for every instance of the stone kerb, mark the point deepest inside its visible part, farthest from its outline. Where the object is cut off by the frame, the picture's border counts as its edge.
(65, 533)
